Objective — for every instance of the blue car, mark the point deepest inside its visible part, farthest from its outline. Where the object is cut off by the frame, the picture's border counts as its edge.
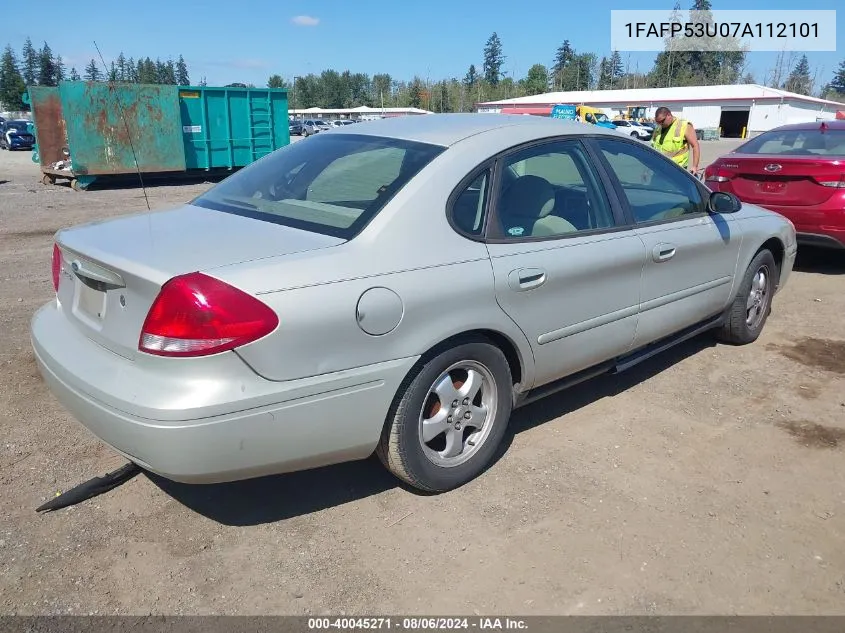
(16, 134)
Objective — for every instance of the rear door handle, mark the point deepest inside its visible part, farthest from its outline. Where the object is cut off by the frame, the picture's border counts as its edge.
(663, 252)
(526, 278)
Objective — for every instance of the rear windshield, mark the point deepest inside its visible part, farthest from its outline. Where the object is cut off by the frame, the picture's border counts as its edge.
(333, 184)
(797, 143)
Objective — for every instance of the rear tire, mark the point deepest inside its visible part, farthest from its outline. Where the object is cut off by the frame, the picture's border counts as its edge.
(449, 417)
(747, 315)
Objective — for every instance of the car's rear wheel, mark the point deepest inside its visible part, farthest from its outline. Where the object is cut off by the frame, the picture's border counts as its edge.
(747, 315)
(449, 417)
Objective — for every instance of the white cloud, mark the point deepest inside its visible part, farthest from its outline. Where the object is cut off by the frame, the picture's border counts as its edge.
(305, 20)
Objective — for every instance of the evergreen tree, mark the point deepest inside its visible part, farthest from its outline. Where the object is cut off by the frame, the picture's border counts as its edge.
(182, 77)
(30, 63)
(616, 68)
(12, 84)
(471, 77)
(275, 81)
(169, 76)
(799, 79)
(563, 58)
(92, 72)
(74, 76)
(415, 93)
(836, 87)
(131, 70)
(493, 60)
(59, 70)
(605, 74)
(46, 67)
(121, 68)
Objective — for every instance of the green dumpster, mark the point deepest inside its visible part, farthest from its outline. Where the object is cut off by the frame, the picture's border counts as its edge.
(90, 130)
(232, 127)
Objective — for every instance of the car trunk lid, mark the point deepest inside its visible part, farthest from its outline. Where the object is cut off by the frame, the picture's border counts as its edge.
(780, 180)
(112, 271)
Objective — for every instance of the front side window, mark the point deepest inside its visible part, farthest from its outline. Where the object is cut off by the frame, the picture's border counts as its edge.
(333, 184)
(654, 189)
(550, 190)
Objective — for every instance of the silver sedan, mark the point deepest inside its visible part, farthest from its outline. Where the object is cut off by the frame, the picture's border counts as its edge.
(399, 288)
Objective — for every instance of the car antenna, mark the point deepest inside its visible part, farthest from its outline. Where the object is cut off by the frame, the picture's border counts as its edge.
(126, 126)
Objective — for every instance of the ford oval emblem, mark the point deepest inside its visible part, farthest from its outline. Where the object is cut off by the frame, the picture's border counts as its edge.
(772, 167)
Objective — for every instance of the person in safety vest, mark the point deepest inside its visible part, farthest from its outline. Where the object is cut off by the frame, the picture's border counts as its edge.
(676, 138)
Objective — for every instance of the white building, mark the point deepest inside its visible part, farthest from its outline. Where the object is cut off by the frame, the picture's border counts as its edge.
(735, 109)
(361, 112)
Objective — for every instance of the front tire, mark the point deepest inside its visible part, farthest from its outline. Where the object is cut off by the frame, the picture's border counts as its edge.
(449, 417)
(749, 311)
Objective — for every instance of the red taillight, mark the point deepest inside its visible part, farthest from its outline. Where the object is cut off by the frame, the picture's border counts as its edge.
(831, 182)
(57, 266)
(197, 315)
(714, 173)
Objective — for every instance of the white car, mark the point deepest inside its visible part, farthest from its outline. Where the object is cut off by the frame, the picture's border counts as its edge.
(634, 129)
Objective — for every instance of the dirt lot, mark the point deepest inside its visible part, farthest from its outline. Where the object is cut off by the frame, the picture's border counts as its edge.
(706, 481)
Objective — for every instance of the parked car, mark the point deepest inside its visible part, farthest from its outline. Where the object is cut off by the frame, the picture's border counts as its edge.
(313, 126)
(633, 128)
(296, 128)
(397, 287)
(797, 170)
(15, 134)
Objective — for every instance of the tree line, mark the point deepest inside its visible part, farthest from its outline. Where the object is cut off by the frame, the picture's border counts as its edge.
(42, 67)
(724, 62)
(569, 70)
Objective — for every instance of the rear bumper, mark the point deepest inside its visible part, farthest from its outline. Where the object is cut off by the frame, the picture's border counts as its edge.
(271, 427)
(817, 226)
(830, 239)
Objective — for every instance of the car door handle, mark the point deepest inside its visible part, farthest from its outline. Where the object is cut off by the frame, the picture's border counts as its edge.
(527, 278)
(663, 252)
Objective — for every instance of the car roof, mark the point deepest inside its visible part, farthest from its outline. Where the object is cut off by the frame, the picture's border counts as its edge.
(448, 129)
(815, 125)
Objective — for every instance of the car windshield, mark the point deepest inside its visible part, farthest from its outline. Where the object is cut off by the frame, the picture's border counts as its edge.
(797, 143)
(19, 126)
(333, 184)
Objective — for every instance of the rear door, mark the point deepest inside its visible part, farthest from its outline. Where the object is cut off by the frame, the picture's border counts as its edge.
(565, 269)
(691, 255)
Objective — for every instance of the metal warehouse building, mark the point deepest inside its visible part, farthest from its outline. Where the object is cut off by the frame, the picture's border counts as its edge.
(744, 109)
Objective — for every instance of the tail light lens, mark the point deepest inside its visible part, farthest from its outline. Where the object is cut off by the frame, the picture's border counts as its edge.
(197, 315)
(57, 266)
(836, 184)
(714, 173)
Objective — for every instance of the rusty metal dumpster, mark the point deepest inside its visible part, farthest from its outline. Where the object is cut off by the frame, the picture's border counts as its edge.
(90, 130)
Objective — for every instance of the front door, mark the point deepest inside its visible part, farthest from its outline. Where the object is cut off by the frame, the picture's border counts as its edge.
(564, 271)
(691, 255)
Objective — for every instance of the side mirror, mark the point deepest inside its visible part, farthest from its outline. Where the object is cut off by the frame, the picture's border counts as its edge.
(723, 202)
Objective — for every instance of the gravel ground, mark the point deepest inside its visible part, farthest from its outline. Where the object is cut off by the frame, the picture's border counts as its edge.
(708, 480)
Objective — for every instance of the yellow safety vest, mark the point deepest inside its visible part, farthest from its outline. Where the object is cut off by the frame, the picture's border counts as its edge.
(674, 144)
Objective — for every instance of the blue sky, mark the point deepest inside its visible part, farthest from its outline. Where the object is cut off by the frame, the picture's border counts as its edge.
(247, 41)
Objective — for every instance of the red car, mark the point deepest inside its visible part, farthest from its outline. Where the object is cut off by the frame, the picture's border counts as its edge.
(796, 170)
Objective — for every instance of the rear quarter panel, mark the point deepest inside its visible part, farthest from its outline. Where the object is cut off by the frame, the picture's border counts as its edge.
(444, 280)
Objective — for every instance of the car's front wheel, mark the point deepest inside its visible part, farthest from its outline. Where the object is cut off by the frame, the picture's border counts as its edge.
(449, 417)
(747, 315)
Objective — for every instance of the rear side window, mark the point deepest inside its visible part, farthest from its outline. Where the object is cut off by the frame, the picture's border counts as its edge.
(332, 184)
(797, 143)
